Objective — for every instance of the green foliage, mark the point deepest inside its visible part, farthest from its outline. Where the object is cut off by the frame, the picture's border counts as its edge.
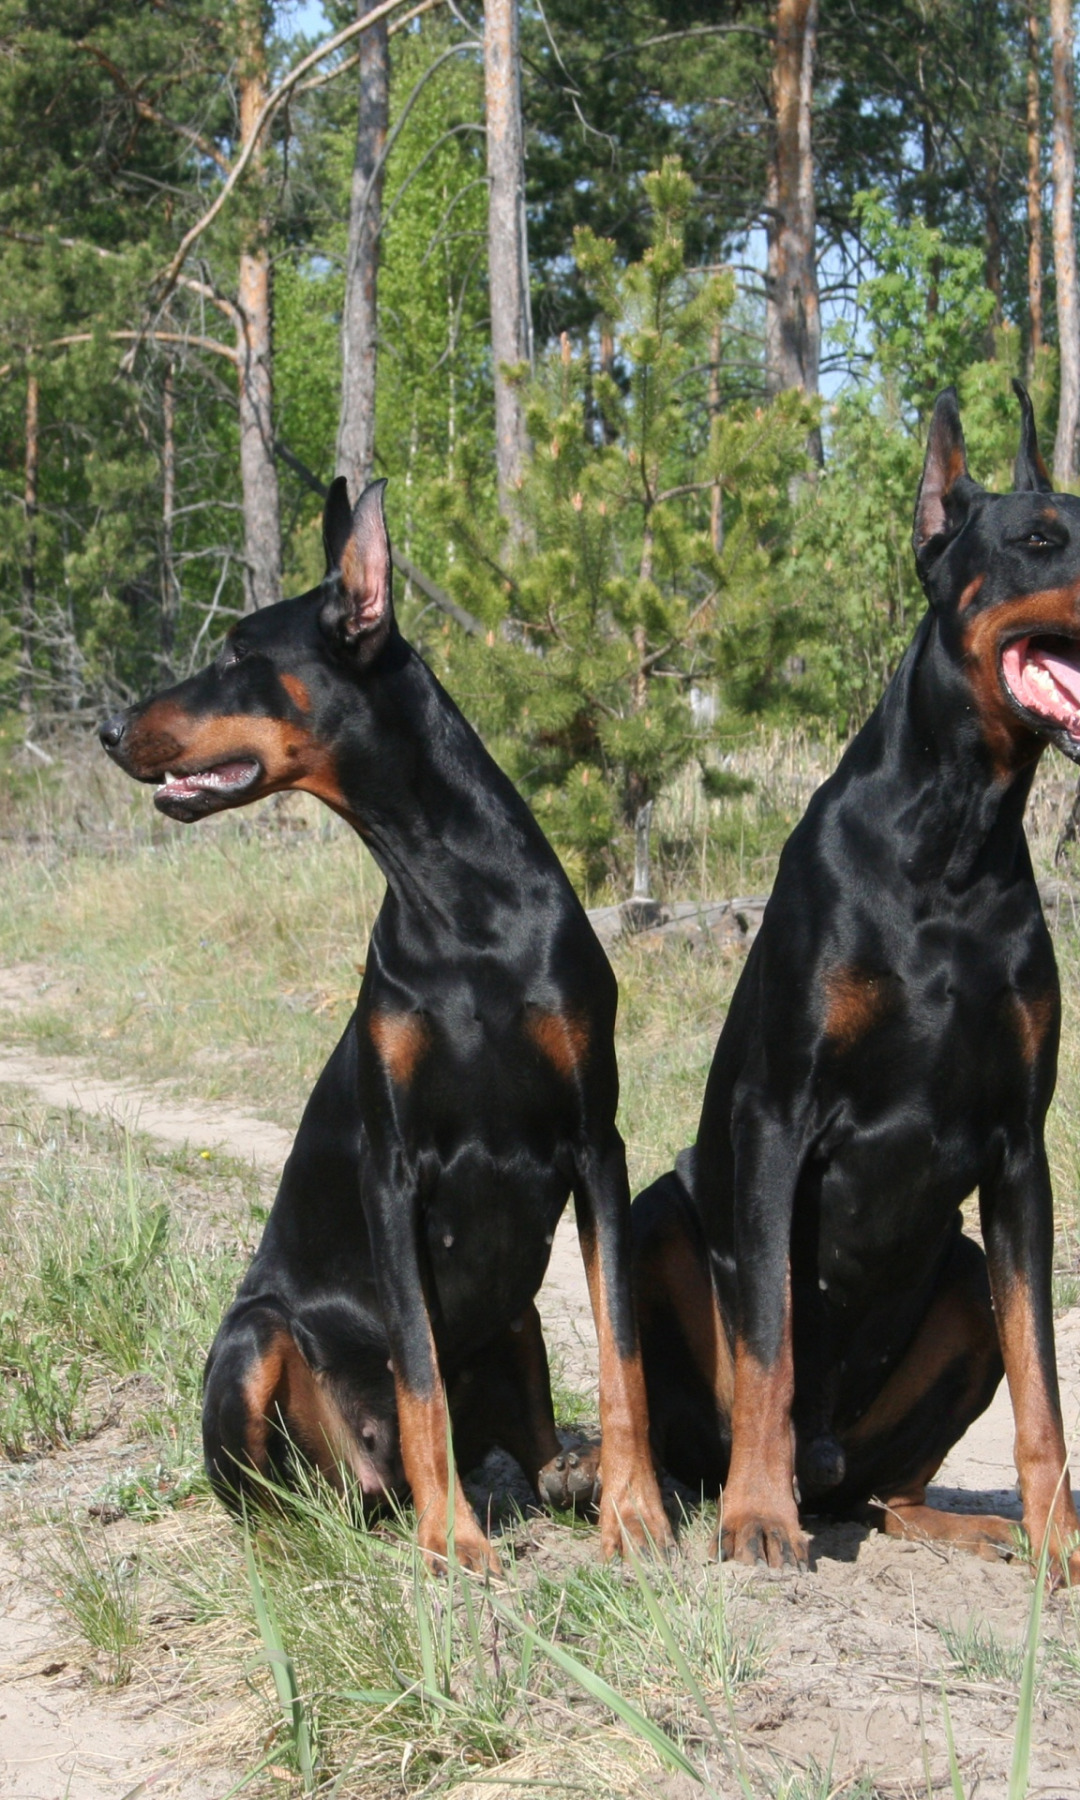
(927, 307)
(851, 594)
(618, 600)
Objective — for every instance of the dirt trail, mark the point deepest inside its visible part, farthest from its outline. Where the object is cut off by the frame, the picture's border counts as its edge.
(157, 1110)
(839, 1684)
(60, 1739)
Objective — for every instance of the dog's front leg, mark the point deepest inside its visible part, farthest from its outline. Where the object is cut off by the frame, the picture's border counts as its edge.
(759, 1516)
(1016, 1207)
(631, 1509)
(392, 1213)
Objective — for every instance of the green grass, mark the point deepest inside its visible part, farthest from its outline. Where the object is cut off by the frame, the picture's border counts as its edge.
(106, 1275)
(979, 1653)
(224, 961)
(98, 1590)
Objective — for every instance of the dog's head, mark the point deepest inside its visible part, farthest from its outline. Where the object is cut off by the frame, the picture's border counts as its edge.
(263, 715)
(1002, 572)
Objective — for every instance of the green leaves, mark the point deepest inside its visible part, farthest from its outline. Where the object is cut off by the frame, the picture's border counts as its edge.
(610, 612)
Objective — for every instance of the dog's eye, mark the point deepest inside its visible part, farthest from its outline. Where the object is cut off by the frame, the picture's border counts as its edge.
(1035, 540)
(231, 655)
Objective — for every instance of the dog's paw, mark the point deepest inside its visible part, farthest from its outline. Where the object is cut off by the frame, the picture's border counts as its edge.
(572, 1479)
(471, 1549)
(633, 1514)
(768, 1543)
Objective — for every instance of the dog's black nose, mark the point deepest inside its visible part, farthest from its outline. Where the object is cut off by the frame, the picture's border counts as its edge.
(110, 731)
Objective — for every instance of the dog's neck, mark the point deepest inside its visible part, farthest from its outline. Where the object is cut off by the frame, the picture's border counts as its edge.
(926, 739)
(450, 832)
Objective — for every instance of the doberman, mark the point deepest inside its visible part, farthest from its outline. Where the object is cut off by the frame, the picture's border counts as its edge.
(474, 1088)
(815, 1324)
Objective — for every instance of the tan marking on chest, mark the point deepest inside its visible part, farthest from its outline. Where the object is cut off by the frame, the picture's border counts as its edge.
(560, 1037)
(855, 1001)
(1033, 1019)
(400, 1039)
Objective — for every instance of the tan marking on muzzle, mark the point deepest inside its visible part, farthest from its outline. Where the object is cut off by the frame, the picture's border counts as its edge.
(1010, 741)
(167, 740)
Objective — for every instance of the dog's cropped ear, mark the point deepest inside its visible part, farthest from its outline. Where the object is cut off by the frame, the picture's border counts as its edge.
(358, 611)
(946, 490)
(336, 523)
(1030, 473)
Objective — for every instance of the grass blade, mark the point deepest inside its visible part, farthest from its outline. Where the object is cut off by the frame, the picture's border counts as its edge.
(598, 1689)
(954, 1766)
(281, 1668)
(1018, 1774)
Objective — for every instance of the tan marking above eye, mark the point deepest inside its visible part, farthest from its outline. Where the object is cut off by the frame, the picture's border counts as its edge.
(400, 1040)
(856, 1000)
(297, 692)
(560, 1037)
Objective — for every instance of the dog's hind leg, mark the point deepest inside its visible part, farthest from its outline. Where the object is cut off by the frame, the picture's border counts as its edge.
(264, 1404)
(947, 1377)
(503, 1397)
(685, 1343)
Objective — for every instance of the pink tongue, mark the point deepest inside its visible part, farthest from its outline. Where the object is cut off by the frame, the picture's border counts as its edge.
(1065, 673)
(1044, 681)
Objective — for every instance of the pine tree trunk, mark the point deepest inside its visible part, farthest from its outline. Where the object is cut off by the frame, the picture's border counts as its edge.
(356, 427)
(792, 314)
(169, 590)
(716, 502)
(1064, 172)
(28, 581)
(1034, 194)
(258, 469)
(993, 250)
(511, 324)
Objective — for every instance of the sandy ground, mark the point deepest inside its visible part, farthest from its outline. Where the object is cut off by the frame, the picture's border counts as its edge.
(850, 1681)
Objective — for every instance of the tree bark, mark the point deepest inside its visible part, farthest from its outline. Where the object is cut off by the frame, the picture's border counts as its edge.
(1034, 194)
(356, 427)
(1064, 172)
(28, 581)
(258, 471)
(716, 501)
(993, 248)
(169, 588)
(792, 313)
(511, 323)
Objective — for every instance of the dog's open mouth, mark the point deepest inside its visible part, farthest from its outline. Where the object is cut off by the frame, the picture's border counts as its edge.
(1043, 676)
(188, 796)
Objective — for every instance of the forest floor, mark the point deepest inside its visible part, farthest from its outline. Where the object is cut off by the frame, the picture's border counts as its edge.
(141, 1133)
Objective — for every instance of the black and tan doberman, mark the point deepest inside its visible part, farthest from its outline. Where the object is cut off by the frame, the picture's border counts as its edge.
(474, 1089)
(815, 1323)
